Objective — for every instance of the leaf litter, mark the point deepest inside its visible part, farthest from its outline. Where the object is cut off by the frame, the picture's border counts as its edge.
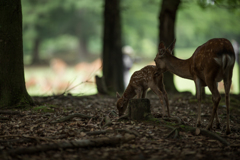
(64, 123)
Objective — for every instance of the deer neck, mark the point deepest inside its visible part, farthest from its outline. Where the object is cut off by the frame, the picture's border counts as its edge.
(129, 92)
(179, 67)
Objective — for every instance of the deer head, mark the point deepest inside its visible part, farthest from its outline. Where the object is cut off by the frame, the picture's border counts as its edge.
(121, 104)
(163, 52)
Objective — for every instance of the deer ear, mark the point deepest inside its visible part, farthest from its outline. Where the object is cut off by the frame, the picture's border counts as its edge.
(118, 95)
(172, 45)
(161, 45)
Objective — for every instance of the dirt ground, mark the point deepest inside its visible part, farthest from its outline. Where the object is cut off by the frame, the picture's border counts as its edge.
(41, 127)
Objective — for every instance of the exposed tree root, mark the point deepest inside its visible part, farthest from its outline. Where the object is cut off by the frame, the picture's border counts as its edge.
(4, 118)
(175, 118)
(69, 117)
(11, 112)
(28, 137)
(128, 131)
(196, 130)
(98, 132)
(72, 144)
(212, 135)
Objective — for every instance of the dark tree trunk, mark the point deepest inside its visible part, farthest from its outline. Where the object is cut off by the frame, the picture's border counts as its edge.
(35, 54)
(167, 19)
(12, 83)
(112, 44)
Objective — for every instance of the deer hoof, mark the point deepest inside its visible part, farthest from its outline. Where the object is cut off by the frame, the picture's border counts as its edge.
(198, 124)
(209, 127)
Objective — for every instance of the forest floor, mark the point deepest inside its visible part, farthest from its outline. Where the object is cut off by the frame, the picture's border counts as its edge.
(69, 127)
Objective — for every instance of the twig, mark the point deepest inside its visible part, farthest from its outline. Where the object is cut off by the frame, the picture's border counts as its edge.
(107, 121)
(89, 121)
(176, 133)
(171, 133)
(113, 112)
(64, 119)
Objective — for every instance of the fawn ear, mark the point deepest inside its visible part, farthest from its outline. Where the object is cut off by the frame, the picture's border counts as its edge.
(161, 45)
(118, 95)
(172, 45)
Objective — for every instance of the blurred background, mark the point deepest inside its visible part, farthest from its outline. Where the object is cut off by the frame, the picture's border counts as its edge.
(63, 39)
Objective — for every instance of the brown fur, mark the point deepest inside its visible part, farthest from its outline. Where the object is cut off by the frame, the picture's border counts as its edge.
(147, 77)
(209, 64)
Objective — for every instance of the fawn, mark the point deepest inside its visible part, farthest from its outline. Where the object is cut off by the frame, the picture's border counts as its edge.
(147, 77)
(209, 64)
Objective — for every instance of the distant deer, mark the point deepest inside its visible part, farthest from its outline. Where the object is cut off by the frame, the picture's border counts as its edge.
(147, 77)
(209, 64)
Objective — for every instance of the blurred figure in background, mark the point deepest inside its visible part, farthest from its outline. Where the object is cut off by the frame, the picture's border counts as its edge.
(127, 63)
(236, 49)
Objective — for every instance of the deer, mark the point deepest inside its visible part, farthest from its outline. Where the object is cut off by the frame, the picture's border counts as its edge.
(211, 62)
(140, 82)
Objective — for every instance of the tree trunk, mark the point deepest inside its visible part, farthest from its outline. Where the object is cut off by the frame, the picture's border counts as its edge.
(167, 19)
(12, 83)
(112, 44)
(139, 109)
(35, 54)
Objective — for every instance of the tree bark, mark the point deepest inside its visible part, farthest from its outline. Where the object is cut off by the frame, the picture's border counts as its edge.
(112, 44)
(12, 83)
(139, 109)
(167, 18)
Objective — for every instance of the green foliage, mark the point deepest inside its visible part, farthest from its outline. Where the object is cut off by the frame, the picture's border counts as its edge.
(196, 25)
(44, 108)
(65, 24)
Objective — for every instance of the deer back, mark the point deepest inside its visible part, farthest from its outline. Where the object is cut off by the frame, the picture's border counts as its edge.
(215, 54)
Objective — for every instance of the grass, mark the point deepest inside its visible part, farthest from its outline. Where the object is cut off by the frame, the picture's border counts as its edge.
(48, 82)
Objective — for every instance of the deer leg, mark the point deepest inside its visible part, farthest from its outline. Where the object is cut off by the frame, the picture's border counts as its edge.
(167, 104)
(165, 96)
(218, 126)
(138, 92)
(144, 93)
(216, 99)
(198, 92)
(227, 85)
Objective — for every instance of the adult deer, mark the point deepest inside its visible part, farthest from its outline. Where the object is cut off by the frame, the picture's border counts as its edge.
(147, 77)
(209, 64)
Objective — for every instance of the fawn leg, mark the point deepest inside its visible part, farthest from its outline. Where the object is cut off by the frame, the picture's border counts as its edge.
(138, 92)
(199, 98)
(144, 93)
